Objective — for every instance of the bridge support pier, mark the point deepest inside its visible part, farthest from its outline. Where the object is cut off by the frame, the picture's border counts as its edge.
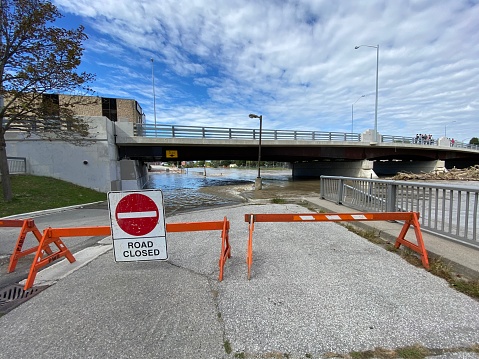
(133, 175)
(315, 169)
(390, 168)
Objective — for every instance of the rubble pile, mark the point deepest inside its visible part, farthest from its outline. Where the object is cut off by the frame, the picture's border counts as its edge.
(455, 174)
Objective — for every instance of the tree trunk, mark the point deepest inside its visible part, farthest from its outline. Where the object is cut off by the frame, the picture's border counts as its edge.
(6, 183)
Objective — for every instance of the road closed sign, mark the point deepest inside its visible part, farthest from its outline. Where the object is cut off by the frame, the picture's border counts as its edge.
(138, 225)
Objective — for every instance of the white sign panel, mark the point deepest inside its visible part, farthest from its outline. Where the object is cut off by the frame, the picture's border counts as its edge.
(138, 225)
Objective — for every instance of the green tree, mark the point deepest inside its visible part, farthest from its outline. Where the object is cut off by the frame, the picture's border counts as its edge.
(474, 141)
(37, 59)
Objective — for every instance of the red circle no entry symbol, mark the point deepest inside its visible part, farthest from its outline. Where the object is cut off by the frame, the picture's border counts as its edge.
(137, 214)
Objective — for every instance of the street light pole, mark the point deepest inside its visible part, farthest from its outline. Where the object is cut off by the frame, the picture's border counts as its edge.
(352, 112)
(258, 184)
(154, 97)
(377, 82)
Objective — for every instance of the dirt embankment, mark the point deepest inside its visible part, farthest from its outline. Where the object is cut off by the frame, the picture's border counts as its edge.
(467, 174)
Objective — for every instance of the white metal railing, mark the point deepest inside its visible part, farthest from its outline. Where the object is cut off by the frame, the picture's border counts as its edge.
(178, 131)
(450, 211)
(173, 131)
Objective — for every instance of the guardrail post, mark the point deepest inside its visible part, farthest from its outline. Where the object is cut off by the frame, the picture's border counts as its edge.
(321, 187)
(229, 132)
(203, 132)
(172, 131)
(391, 197)
(340, 191)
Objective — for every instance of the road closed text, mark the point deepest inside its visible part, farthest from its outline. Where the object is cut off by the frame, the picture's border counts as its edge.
(142, 249)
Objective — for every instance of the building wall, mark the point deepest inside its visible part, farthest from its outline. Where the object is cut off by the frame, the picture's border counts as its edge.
(127, 109)
(84, 105)
(93, 165)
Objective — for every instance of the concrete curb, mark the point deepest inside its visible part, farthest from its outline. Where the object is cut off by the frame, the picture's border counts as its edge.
(50, 211)
(64, 268)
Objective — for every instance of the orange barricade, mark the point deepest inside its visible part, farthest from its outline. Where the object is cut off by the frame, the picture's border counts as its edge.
(27, 226)
(224, 226)
(409, 218)
(53, 235)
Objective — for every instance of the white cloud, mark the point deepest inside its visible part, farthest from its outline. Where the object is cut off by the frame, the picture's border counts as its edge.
(292, 61)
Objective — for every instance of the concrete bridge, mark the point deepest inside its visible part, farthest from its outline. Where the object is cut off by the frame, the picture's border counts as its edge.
(312, 153)
(114, 156)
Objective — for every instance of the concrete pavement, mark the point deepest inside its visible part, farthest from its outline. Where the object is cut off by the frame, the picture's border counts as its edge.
(316, 288)
(464, 259)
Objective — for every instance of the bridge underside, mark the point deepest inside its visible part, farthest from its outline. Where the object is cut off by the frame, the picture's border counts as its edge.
(313, 161)
(294, 154)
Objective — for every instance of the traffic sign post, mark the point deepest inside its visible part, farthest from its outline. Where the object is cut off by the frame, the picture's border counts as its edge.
(138, 225)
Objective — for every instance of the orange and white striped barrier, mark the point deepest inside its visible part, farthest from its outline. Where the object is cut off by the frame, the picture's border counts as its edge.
(52, 235)
(409, 218)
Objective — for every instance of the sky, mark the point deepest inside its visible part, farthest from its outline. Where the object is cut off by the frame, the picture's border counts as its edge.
(293, 62)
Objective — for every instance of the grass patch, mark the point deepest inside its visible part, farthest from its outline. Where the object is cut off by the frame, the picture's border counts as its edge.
(470, 288)
(278, 201)
(413, 352)
(36, 193)
(227, 346)
(410, 352)
(370, 235)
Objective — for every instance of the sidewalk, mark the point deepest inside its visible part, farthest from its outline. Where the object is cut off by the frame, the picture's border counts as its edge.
(317, 290)
(464, 259)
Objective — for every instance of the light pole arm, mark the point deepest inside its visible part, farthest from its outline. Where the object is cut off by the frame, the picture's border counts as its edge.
(377, 82)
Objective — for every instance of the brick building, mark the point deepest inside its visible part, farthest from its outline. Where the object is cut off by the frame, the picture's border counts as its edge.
(113, 108)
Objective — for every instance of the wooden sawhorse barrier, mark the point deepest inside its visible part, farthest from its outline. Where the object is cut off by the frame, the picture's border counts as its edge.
(409, 218)
(52, 235)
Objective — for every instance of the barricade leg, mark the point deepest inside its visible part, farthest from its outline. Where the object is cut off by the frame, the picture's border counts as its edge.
(40, 261)
(208, 226)
(249, 254)
(419, 247)
(225, 248)
(27, 226)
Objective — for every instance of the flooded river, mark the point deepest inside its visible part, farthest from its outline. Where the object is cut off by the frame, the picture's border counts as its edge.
(225, 186)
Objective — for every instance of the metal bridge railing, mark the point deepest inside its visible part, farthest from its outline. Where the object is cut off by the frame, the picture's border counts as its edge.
(177, 131)
(169, 131)
(449, 211)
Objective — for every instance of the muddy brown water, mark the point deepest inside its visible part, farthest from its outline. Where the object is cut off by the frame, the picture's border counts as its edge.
(193, 190)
